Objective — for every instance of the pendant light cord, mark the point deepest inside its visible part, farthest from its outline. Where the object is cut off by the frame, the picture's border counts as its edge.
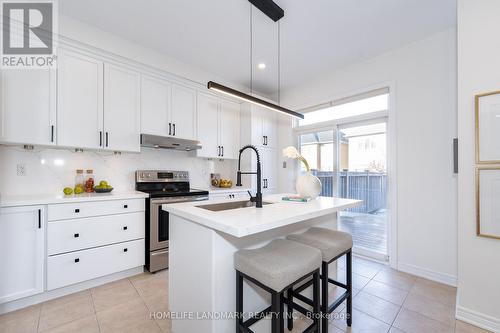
(279, 63)
(251, 50)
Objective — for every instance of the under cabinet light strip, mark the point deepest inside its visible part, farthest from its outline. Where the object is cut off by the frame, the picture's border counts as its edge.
(254, 100)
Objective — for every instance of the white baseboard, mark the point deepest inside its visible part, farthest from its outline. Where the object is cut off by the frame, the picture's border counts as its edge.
(428, 274)
(48, 295)
(478, 319)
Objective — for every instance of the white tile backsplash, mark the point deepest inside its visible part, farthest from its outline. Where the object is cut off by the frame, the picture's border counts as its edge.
(50, 170)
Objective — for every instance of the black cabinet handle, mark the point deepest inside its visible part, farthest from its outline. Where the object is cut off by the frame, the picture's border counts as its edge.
(77, 210)
(169, 128)
(39, 219)
(125, 206)
(173, 125)
(107, 139)
(100, 138)
(52, 133)
(222, 151)
(218, 150)
(77, 260)
(77, 235)
(125, 228)
(125, 250)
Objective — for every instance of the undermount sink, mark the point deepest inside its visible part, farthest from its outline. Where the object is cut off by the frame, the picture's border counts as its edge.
(230, 205)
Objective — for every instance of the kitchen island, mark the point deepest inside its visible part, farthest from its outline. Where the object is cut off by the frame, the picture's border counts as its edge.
(203, 239)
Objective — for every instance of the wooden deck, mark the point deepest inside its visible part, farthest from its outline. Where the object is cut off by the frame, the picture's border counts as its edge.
(369, 231)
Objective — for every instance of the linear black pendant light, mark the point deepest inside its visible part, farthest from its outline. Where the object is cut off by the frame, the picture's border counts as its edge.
(271, 9)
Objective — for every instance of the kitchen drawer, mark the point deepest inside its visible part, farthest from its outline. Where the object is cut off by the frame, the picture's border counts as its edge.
(93, 208)
(229, 195)
(78, 234)
(70, 268)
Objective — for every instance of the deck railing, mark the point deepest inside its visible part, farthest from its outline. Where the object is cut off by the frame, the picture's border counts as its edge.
(371, 187)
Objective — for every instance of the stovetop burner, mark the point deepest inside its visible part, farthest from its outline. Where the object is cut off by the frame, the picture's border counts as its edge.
(162, 183)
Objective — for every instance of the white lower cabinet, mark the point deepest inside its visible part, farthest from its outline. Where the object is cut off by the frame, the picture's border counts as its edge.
(66, 236)
(87, 240)
(22, 252)
(229, 195)
(70, 268)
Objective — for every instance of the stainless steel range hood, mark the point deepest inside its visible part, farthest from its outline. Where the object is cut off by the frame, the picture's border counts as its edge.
(168, 142)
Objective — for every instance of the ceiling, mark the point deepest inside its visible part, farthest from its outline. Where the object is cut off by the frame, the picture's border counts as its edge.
(317, 36)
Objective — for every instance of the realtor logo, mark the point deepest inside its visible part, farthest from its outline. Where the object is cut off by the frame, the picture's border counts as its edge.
(28, 34)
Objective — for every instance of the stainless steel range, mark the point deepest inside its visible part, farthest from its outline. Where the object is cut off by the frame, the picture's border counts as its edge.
(164, 187)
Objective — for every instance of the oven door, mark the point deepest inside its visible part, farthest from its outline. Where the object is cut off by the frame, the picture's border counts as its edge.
(159, 220)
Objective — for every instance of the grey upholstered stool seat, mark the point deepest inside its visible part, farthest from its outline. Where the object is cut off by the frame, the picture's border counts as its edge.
(279, 263)
(332, 243)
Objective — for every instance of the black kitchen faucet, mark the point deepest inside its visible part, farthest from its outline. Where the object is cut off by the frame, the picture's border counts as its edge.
(258, 196)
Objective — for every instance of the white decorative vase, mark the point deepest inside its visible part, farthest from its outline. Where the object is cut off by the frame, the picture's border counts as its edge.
(308, 185)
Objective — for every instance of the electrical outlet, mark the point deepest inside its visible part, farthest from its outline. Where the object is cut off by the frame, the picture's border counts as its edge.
(21, 170)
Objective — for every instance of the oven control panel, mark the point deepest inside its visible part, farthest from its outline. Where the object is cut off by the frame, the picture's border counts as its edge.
(154, 176)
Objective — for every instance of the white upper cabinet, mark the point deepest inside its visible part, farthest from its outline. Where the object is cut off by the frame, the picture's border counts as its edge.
(28, 114)
(79, 101)
(183, 112)
(218, 127)
(22, 252)
(155, 106)
(167, 109)
(229, 125)
(264, 127)
(121, 109)
(208, 125)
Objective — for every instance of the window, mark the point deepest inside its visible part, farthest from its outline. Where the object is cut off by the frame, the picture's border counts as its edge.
(347, 107)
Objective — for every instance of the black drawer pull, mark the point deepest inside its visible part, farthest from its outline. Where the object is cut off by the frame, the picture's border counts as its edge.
(125, 206)
(125, 250)
(77, 210)
(125, 228)
(77, 235)
(77, 260)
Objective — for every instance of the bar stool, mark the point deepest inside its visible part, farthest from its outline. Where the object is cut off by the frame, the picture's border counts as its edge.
(276, 267)
(333, 245)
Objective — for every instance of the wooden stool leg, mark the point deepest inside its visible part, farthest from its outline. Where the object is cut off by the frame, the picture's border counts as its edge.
(275, 312)
(349, 287)
(316, 300)
(239, 301)
(324, 297)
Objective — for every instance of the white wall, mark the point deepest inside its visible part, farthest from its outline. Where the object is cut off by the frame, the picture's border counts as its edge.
(424, 76)
(478, 72)
(59, 165)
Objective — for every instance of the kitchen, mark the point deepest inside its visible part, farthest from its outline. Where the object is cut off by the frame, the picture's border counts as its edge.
(225, 151)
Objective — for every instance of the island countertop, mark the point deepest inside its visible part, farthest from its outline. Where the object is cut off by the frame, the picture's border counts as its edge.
(247, 221)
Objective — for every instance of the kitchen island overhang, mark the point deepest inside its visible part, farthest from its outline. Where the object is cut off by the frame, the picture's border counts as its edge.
(202, 245)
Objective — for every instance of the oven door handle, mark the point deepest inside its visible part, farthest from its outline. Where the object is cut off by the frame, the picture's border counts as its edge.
(177, 200)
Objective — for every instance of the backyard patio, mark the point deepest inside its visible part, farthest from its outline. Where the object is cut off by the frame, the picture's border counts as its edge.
(366, 223)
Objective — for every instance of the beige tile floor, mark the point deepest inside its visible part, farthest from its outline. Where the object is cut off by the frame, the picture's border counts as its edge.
(385, 301)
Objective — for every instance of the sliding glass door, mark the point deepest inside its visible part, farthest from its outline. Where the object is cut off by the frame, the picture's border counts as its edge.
(362, 165)
(345, 142)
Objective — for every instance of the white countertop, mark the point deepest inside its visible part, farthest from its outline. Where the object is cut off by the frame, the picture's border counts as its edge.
(243, 222)
(45, 199)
